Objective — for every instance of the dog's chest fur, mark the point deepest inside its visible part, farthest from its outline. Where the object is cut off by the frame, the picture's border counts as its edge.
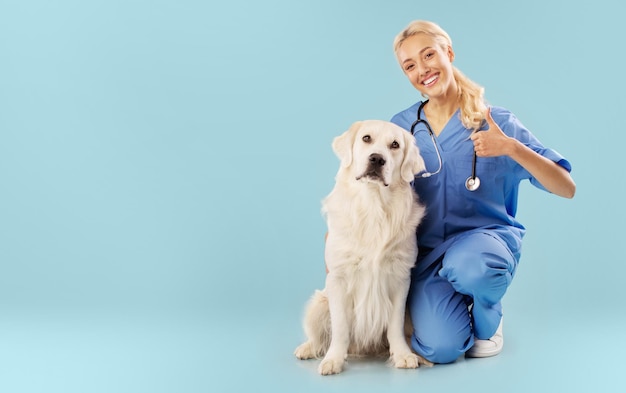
(369, 233)
(371, 221)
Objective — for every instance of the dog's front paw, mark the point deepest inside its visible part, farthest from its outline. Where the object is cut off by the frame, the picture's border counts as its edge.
(409, 360)
(304, 351)
(331, 366)
(406, 360)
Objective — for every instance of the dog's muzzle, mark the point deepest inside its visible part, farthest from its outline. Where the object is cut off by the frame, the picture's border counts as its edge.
(376, 162)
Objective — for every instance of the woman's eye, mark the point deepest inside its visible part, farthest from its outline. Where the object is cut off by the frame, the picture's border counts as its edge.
(367, 138)
(395, 145)
(409, 67)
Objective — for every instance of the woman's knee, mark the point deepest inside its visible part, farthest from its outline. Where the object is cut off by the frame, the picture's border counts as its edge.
(471, 269)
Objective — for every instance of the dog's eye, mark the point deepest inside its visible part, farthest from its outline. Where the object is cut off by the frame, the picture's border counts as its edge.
(395, 145)
(367, 138)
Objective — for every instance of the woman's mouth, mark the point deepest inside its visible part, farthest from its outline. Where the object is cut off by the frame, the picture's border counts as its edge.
(430, 81)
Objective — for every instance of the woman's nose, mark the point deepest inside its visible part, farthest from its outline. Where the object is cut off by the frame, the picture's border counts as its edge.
(422, 68)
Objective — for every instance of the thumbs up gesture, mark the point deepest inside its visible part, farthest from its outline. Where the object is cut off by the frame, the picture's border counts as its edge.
(492, 142)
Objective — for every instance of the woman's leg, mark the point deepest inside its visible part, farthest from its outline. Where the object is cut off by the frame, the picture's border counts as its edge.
(441, 321)
(481, 267)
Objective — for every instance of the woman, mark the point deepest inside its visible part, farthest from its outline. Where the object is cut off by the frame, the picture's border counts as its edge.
(470, 241)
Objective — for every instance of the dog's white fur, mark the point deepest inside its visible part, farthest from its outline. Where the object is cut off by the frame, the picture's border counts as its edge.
(372, 215)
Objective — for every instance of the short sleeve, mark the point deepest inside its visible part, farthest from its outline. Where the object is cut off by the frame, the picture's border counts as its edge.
(513, 127)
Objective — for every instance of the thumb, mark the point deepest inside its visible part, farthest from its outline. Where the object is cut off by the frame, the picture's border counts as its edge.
(493, 127)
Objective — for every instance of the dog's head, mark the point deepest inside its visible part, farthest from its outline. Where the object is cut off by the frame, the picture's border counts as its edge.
(378, 151)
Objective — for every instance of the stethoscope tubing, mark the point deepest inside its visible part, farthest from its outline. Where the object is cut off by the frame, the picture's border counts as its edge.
(473, 182)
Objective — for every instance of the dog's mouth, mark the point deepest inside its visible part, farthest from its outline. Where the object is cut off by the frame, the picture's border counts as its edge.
(373, 176)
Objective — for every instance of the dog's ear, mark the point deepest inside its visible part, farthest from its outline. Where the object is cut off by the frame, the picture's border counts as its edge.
(342, 145)
(412, 163)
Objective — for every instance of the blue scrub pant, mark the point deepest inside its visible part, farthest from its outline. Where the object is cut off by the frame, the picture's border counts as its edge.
(475, 270)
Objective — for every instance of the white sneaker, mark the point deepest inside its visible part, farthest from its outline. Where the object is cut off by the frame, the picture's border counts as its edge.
(489, 347)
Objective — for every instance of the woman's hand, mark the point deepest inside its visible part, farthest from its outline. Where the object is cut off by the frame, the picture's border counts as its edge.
(492, 142)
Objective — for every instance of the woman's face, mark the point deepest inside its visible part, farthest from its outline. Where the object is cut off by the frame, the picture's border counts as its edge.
(427, 65)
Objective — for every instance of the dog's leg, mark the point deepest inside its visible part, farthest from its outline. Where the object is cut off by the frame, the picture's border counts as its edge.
(338, 351)
(401, 354)
(316, 328)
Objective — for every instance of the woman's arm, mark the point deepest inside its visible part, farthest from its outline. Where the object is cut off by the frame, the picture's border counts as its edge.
(551, 175)
(494, 142)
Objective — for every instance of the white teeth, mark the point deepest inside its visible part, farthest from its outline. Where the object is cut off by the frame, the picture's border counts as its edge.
(430, 80)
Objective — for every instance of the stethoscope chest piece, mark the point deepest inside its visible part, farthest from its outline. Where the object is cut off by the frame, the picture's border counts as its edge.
(472, 183)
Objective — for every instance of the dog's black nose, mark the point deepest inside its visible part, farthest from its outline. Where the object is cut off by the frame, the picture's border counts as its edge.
(377, 160)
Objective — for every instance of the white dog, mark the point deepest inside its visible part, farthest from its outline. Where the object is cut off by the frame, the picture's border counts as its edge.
(372, 215)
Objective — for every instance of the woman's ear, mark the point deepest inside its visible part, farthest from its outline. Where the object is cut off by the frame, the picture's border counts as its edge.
(450, 54)
(342, 145)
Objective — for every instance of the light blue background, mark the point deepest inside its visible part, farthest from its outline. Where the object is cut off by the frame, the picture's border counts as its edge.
(162, 165)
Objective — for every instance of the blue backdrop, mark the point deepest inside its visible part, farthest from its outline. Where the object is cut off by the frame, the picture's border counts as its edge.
(162, 165)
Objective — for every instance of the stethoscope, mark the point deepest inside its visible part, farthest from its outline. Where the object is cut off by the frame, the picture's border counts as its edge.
(472, 183)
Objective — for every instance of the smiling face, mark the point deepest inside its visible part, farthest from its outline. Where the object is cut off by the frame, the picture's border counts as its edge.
(428, 65)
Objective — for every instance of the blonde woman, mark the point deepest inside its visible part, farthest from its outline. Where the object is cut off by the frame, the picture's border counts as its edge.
(470, 240)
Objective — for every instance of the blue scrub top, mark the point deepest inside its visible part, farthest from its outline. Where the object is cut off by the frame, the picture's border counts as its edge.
(451, 210)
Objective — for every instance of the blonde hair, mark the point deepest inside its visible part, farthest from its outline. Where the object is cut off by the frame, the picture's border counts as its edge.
(471, 94)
